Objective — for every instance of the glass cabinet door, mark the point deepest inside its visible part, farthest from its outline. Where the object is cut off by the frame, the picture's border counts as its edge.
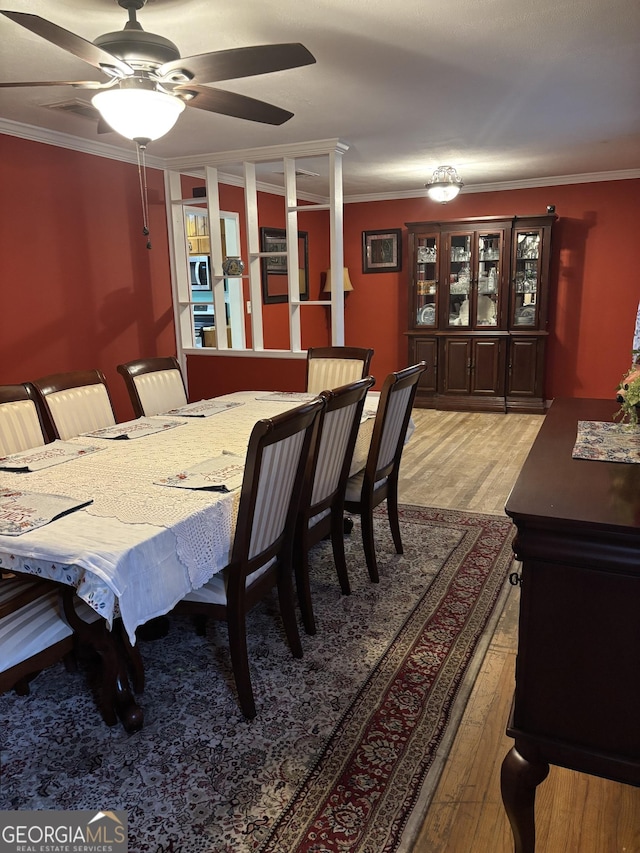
(426, 278)
(488, 278)
(526, 278)
(459, 284)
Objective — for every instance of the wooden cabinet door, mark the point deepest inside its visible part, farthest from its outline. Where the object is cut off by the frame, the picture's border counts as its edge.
(524, 376)
(426, 349)
(487, 367)
(455, 366)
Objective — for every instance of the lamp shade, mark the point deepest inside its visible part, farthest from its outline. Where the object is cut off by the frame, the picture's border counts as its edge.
(444, 184)
(346, 281)
(139, 114)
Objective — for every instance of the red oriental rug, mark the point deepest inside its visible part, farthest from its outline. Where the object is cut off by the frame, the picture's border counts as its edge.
(361, 792)
(348, 742)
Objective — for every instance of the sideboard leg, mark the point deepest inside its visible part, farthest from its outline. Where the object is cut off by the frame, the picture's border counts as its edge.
(518, 782)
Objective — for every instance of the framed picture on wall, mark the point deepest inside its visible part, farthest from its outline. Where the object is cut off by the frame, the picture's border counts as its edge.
(275, 287)
(382, 250)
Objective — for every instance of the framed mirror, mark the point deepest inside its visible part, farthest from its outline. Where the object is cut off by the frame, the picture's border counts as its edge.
(275, 270)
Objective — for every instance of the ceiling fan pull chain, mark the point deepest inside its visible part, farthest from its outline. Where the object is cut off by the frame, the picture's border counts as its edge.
(144, 196)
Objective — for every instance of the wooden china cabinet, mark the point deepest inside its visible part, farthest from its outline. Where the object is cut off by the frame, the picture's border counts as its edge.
(478, 304)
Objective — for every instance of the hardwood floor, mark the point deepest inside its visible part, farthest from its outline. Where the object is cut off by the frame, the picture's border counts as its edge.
(470, 461)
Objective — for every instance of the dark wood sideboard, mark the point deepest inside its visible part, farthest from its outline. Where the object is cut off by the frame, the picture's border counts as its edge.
(577, 694)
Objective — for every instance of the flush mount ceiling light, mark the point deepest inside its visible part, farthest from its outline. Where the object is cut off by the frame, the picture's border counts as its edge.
(444, 184)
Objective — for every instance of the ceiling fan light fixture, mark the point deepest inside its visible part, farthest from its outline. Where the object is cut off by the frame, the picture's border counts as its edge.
(444, 184)
(139, 114)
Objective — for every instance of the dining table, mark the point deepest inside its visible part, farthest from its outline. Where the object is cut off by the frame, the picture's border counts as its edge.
(150, 520)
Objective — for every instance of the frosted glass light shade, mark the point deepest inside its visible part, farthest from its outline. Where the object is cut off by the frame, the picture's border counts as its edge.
(139, 114)
(346, 282)
(444, 184)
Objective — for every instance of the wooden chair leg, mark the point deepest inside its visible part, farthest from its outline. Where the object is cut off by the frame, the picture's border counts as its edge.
(22, 687)
(70, 662)
(392, 512)
(200, 624)
(288, 610)
(236, 627)
(339, 559)
(369, 543)
(301, 562)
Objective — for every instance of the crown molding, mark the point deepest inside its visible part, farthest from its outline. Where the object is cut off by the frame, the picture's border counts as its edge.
(75, 143)
(195, 164)
(525, 184)
(264, 154)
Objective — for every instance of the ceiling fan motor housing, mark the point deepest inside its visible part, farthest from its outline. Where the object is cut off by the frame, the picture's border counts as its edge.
(139, 48)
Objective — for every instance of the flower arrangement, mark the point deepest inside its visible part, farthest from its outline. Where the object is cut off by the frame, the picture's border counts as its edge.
(628, 394)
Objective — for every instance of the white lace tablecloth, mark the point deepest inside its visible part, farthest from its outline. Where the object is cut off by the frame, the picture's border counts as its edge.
(141, 547)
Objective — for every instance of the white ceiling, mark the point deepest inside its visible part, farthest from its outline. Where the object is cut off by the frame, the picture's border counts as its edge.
(504, 90)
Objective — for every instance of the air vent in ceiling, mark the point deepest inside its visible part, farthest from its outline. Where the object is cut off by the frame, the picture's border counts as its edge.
(77, 108)
(300, 173)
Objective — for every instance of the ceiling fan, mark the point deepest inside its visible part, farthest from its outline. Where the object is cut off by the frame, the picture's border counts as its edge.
(146, 71)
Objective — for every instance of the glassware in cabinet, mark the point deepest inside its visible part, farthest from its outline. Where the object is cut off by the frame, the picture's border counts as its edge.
(526, 278)
(426, 280)
(459, 279)
(488, 277)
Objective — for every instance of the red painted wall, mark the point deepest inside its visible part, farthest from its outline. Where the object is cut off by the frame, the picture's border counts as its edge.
(79, 289)
(595, 287)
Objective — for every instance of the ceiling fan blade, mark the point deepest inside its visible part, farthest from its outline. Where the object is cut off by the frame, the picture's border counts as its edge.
(83, 49)
(239, 62)
(232, 104)
(78, 84)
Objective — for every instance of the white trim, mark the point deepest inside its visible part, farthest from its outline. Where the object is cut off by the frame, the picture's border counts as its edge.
(264, 154)
(526, 184)
(247, 353)
(75, 143)
(309, 149)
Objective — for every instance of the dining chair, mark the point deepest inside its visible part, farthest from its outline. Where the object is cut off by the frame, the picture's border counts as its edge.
(33, 631)
(322, 504)
(21, 422)
(379, 478)
(75, 402)
(331, 367)
(261, 554)
(155, 385)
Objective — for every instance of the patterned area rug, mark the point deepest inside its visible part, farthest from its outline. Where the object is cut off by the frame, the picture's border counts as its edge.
(346, 740)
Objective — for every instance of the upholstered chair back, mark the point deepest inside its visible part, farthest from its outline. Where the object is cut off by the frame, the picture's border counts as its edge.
(75, 402)
(332, 367)
(155, 385)
(20, 423)
(160, 391)
(78, 410)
